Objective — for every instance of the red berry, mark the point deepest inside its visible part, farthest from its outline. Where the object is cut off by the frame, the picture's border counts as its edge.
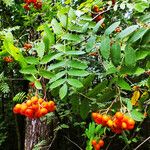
(37, 114)
(124, 125)
(43, 111)
(23, 108)
(101, 143)
(130, 127)
(17, 108)
(105, 118)
(26, 6)
(29, 113)
(110, 123)
(40, 100)
(94, 115)
(97, 147)
(98, 120)
(51, 106)
(29, 103)
(94, 142)
(95, 8)
(131, 122)
(119, 115)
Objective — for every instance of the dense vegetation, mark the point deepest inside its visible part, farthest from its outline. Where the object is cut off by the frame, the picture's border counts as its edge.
(77, 70)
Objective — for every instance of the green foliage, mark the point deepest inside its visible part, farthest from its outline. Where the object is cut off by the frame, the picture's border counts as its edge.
(93, 132)
(39, 145)
(4, 87)
(137, 116)
(8, 2)
(19, 97)
(127, 31)
(84, 65)
(111, 28)
(116, 54)
(105, 47)
(141, 5)
(3, 133)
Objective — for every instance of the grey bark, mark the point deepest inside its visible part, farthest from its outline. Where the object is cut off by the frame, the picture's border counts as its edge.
(35, 132)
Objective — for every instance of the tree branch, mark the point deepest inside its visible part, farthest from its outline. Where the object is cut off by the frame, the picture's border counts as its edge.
(142, 143)
(73, 142)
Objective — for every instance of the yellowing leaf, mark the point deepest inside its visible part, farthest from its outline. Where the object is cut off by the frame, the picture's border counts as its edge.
(135, 97)
(144, 94)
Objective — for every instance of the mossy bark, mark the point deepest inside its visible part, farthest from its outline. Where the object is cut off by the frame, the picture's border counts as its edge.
(36, 131)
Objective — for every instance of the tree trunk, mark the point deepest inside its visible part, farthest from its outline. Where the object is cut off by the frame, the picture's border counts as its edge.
(36, 131)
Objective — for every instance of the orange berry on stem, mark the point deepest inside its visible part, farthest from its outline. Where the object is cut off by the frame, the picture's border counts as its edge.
(94, 115)
(130, 127)
(29, 103)
(23, 108)
(40, 100)
(26, 6)
(98, 120)
(97, 147)
(94, 142)
(103, 25)
(113, 2)
(98, 18)
(29, 113)
(119, 115)
(131, 122)
(95, 8)
(110, 123)
(116, 130)
(124, 125)
(17, 108)
(35, 107)
(51, 106)
(105, 118)
(34, 99)
(101, 143)
(45, 105)
(118, 123)
(43, 111)
(38, 5)
(125, 119)
(37, 114)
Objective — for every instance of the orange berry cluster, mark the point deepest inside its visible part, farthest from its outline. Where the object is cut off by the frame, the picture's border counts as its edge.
(8, 59)
(118, 29)
(27, 46)
(117, 123)
(113, 2)
(34, 108)
(37, 4)
(95, 15)
(97, 145)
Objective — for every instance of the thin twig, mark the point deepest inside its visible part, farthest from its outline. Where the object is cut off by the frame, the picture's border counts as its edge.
(100, 13)
(110, 105)
(128, 80)
(142, 143)
(85, 96)
(73, 142)
(100, 59)
(52, 141)
(82, 41)
(109, 144)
